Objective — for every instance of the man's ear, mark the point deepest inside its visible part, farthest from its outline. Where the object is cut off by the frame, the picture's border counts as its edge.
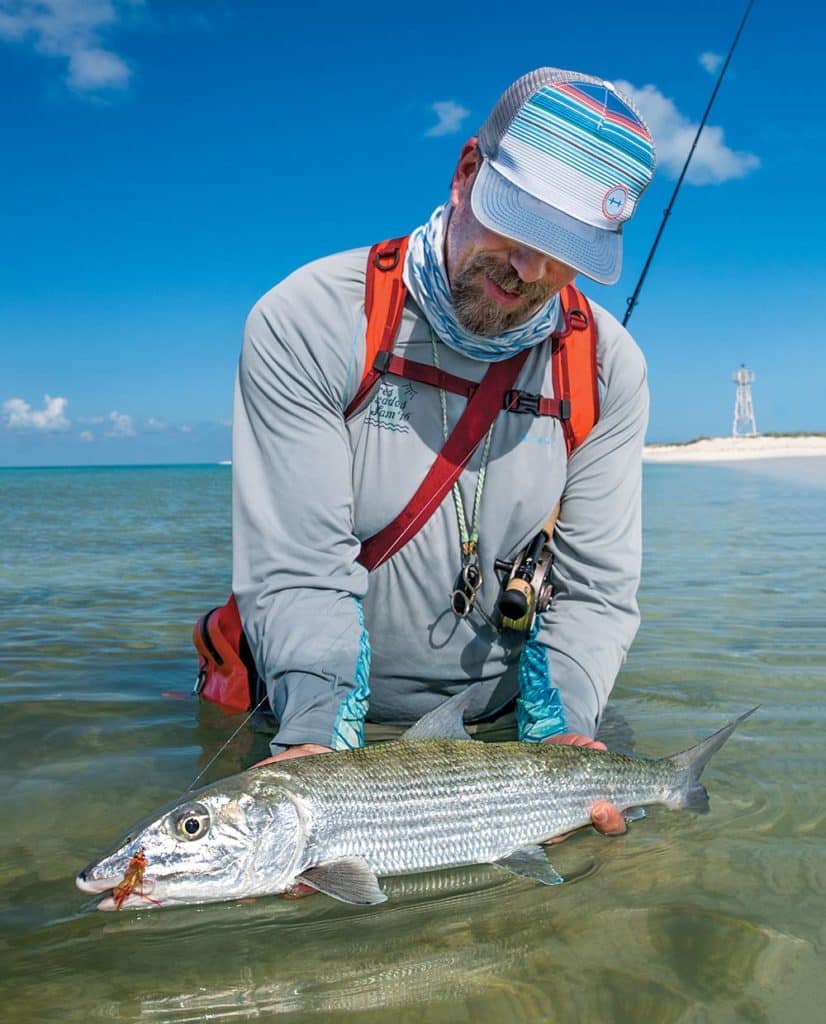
(469, 161)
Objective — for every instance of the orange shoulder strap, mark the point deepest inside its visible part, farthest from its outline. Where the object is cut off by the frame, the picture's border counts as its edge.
(384, 295)
(574, 367)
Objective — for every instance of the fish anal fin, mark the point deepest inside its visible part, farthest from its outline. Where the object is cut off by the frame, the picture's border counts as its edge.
(530, 862)
(446, 722)
(349, 879)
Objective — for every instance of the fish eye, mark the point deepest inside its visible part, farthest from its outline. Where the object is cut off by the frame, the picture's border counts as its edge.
(192, 822)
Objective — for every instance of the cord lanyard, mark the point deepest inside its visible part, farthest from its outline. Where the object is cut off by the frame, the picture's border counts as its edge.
(469, 580)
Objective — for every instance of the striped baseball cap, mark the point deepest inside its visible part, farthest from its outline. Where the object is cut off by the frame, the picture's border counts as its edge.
(566, 158)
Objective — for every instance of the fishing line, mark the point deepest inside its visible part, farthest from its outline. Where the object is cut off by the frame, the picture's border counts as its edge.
(226, 743)
(632, 301)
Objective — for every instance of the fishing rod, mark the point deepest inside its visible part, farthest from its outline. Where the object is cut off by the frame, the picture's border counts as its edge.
(633, 300)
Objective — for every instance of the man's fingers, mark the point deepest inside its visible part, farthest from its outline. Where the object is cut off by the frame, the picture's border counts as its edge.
(304, 750)
(296, 891)
(268, 760)
(607, 818)
(557, 839)
(573, 739)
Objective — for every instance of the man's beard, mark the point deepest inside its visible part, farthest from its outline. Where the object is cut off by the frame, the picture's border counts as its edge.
(482, 315)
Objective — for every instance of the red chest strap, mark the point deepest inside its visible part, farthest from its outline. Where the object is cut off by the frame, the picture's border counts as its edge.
(573, 371)
(514, 400)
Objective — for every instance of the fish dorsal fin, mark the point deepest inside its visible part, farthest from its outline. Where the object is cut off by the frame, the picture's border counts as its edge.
(446, 722)
(531, 862)
(350, 880)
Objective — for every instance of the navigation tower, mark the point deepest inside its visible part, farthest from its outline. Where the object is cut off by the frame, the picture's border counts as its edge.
(744, 425)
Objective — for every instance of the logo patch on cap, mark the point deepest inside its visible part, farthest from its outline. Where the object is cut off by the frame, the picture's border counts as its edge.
(614, 201)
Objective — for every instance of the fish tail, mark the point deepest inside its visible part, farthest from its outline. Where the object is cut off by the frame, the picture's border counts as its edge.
(690, 793)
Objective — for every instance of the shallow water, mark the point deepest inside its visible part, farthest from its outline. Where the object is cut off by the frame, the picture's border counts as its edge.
(715, 918)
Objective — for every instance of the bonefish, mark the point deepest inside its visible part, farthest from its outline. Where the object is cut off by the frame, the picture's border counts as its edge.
(337, 822)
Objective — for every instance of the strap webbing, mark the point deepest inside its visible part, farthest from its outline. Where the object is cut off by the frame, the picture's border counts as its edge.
(423, 373)
(471, 427)
(384, 295)
(574, 368)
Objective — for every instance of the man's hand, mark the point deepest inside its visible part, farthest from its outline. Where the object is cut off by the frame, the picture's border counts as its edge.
(573, 739)
(301, 750)
(605, 817)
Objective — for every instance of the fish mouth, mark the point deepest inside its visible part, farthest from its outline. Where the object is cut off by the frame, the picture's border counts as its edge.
(108, 903)
(101, 886)
(95, 885)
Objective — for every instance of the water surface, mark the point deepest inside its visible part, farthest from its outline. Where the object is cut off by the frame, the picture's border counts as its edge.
(715, 918)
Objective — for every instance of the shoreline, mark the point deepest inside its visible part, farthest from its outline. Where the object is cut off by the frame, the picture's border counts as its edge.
(737, 449)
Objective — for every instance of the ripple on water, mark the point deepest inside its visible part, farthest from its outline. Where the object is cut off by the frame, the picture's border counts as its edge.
(686, 919)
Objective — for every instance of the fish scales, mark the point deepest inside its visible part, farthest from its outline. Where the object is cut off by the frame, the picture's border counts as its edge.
(412, 806)
(337, 821)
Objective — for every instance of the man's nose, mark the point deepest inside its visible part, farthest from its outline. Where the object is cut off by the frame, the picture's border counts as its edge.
(529, 264)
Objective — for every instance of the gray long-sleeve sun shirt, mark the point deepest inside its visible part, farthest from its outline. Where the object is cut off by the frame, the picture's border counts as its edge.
(333, 644)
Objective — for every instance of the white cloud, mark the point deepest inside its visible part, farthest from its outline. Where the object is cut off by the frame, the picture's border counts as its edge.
(90, 70)
(186, 429)
(71, 30)
(155, 424)
(711, 61)
(19, 415)
(713, 161)
(449, 115)
(87, 435)
(121, 425)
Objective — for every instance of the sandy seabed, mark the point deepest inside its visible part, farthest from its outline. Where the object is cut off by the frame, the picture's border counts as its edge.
(735, 449)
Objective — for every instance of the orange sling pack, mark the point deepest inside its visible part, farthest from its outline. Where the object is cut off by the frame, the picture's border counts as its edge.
(226, 671)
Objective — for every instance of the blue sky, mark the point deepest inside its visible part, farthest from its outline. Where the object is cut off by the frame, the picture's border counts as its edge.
(166, 163)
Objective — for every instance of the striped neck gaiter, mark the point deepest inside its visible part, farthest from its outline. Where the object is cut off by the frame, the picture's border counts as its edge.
(426, 278)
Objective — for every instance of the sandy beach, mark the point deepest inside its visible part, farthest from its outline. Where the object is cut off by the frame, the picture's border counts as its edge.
(736, 449)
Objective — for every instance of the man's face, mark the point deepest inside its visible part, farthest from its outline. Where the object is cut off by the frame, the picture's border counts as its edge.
(496, 283)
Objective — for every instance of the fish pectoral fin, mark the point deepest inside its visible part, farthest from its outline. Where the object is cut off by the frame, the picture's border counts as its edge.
(446, 722)
(350, 880)
(634, 813)
(531, 862)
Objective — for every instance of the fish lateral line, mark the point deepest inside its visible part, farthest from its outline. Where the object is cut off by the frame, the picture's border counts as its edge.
(321, 822)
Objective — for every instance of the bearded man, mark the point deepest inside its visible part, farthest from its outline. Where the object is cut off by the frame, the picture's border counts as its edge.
(331, 443)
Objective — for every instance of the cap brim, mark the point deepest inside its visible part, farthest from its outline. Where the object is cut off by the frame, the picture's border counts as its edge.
(509, 211)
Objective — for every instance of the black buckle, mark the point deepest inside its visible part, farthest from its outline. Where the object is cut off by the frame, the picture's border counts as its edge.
(525, 402)
(522, 402)
(382, 361)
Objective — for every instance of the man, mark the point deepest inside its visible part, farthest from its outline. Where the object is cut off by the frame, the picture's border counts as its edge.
(538, 197)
